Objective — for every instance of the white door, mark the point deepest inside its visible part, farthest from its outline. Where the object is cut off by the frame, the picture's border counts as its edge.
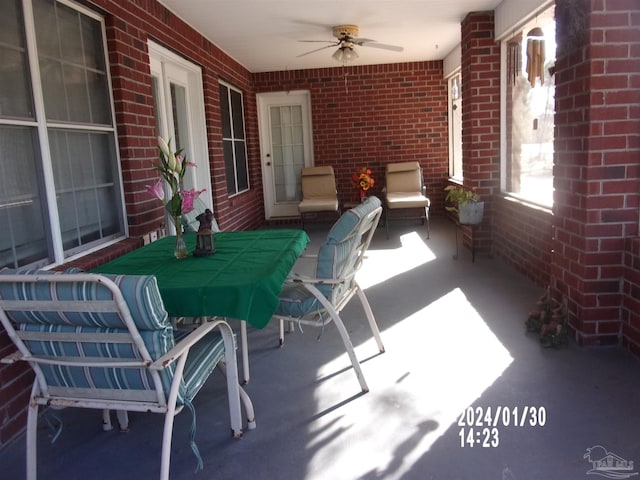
(179, 111)
(286, 147)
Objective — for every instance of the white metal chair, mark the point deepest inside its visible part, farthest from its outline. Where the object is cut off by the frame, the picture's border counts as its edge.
(319, 300)
(404, 189)
(104, 342)
(319, 193)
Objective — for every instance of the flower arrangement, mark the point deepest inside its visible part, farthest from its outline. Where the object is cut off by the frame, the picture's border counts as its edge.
(172, 167)
(363, 181)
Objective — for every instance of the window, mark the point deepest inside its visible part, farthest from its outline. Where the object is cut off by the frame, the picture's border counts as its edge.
(60, 191)
(455, 127)
(233, 141)
(529, 90)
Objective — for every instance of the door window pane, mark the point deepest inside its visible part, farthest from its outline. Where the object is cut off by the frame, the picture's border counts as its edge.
(287, 143)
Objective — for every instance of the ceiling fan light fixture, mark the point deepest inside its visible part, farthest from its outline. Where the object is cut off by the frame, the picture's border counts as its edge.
(345, 54)
(349, 54)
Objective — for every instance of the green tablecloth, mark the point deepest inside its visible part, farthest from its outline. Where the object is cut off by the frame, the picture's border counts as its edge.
(242, 280)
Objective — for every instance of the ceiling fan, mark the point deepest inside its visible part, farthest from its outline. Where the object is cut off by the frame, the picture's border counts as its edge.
(347, 36)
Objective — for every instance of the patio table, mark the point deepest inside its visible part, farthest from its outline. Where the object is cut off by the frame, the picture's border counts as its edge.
(242, 280)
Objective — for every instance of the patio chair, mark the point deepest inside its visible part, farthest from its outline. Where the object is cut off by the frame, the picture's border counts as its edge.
(104, 342)
(404, 189)
(319, 193)
(318, 301)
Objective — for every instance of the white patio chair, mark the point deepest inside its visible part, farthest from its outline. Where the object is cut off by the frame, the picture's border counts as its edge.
(318, 301)
(104, 342)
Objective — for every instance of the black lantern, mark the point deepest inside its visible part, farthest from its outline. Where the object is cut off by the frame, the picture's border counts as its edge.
(205, 239)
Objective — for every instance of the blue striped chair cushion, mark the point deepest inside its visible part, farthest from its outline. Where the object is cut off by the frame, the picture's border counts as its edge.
(202, 359)
(144, 301)
(333, 259)
(139, 291)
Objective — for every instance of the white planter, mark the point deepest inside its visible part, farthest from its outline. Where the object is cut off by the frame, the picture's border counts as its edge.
(471, 213)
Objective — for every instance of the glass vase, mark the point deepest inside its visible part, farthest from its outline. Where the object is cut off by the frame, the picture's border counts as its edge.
(180, 248)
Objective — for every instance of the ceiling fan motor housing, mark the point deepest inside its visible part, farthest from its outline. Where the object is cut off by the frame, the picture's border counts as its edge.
(342, 31)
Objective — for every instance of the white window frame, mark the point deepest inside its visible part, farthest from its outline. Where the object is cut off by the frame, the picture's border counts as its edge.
(233, 139)
(455, 156)
(504, 128)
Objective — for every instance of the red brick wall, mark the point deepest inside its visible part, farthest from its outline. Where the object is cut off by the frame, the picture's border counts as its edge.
(384, 113)
(481, 116)
(522, 237)
(129, 25)
(631, 291)
(597, 167)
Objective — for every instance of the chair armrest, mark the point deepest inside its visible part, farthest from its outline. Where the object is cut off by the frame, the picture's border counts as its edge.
(185, 344)
(299, 278)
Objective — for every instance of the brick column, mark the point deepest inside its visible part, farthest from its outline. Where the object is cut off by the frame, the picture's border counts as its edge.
(596, 171)
(481, 115)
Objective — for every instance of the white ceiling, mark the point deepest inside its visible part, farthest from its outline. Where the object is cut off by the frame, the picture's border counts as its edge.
(264, 35)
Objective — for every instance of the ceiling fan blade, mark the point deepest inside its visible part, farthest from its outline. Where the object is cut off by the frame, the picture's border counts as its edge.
(316, 50)
(319, 41)
(383, 46)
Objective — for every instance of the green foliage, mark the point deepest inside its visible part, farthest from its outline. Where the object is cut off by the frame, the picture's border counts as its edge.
(459, 197)
(549, 321)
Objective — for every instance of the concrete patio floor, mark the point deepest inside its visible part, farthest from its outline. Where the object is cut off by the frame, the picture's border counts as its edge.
(455, 342)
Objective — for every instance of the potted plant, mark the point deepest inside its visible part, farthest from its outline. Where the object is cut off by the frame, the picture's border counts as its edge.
(465, 203)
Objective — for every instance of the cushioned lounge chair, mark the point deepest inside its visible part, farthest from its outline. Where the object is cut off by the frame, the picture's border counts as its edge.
(319, 193)
(404, 189)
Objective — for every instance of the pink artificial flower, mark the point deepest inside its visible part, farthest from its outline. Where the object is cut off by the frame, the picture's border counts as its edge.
(156, 190)
(188, 197)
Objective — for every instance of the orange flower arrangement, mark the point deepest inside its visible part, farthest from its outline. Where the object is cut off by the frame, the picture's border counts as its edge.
(363, 180)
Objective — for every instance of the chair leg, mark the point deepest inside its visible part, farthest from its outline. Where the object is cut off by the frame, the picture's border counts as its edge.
(244, 398)
(426, 216)
(344, 334)
(281, 334)
(244, 346)
(386, 221)
(165, 458)
(233, 387)
(372, 321)
(32, 434)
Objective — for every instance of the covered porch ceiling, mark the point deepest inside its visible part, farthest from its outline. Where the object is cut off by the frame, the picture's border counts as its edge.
(268, 35)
